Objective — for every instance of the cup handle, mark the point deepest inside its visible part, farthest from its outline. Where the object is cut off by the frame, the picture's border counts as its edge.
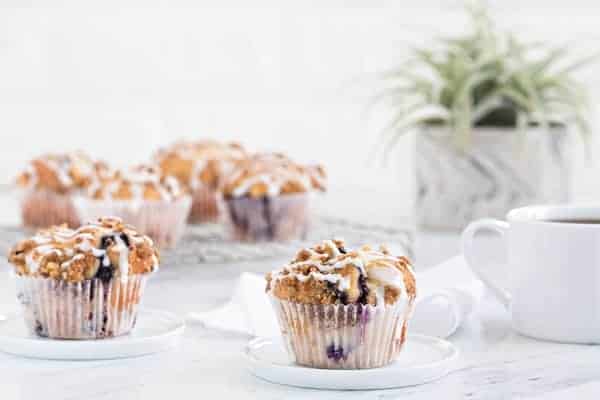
(468, 239)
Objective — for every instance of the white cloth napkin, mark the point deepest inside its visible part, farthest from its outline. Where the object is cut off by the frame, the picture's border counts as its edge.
(447, 294)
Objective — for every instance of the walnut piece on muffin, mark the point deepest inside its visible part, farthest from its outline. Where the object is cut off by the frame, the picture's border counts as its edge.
(140, 182)
(199, 163)
(62, 173)
(272, 174)
(329, 273)
(105, 249)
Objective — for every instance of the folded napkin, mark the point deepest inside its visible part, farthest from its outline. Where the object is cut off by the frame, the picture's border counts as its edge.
(447, 295)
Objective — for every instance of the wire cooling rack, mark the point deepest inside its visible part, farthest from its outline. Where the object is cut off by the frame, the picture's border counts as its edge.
(207, 243)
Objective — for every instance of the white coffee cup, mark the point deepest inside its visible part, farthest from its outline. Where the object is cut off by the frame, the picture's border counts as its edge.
(553, 269)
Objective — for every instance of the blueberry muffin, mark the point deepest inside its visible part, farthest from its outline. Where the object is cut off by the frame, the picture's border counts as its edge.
(200, 166)
(267, 197)
(157, 205)
(48, 183)
(85, 283)
(343, 309)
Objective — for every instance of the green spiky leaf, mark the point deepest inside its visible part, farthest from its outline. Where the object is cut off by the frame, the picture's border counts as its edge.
(486, 77)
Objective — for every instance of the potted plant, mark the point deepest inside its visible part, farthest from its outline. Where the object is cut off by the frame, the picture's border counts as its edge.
(494, 118)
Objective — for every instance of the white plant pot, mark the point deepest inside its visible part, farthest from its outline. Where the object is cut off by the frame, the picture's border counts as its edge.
(502, 168)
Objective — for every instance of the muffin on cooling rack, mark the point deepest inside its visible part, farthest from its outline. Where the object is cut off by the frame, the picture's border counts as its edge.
(343, 309)
(267, 197)
(156, 205)
(85, 283)
(47, 185)
(200, 166)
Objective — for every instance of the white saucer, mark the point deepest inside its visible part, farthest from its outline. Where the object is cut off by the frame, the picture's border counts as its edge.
(155, 331)
(423, 359)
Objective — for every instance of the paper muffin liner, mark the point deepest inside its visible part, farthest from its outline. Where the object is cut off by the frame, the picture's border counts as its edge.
(90, 309)
(42, 208)
(164, 221)
(343, 336)
(280, 218)
(205, 206)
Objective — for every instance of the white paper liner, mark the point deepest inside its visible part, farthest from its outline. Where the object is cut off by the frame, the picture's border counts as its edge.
(343, 336)
(205, 206)
(90, 309)
(164, 221)
(279, 218)
(42, 208)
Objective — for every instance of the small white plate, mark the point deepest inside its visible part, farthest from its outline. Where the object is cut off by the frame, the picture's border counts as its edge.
(155, 331)
(423, 359)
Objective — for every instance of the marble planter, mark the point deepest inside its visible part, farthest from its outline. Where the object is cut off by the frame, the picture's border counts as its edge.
(500, 170)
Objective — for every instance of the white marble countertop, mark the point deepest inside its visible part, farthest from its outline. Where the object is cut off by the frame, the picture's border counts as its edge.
(495, 362)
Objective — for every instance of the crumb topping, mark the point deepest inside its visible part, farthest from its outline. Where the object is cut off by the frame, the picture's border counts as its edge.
(272, 174)
(141, 182)
(62, 173)
(328, 273)
(199, 163)
(102, 249)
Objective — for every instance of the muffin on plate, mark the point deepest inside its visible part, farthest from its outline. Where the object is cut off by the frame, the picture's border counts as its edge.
(343, 309)
(267, 198)
(48, 183)
(156, 205)
(200, 166)
(85, 283)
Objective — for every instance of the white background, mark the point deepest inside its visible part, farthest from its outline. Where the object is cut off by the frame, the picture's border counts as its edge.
(118, 78)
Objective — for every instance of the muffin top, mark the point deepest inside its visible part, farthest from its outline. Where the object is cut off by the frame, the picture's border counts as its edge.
(61, 173)
(328, 273)
(272, 174)
(199, 163)
(101, 250)
(142, 182)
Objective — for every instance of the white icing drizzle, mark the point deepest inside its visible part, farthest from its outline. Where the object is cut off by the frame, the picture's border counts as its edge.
(86, 247)
(272, 170)
(85, 242)
(388, 276)
(32, 265)
(41, 239)
(199, 153)
(61, 169)
(68, 263)
(378, 267)
(344, 282)
(62, 166)
(123, 258)
(172, 186)
(274, 180)
(34, 258)
(137, 179)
